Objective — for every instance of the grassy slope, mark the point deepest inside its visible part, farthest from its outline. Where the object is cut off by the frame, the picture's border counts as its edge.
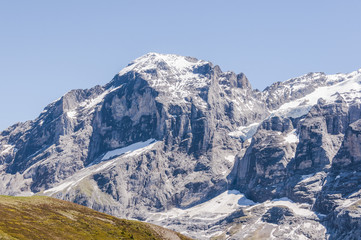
(41, 217)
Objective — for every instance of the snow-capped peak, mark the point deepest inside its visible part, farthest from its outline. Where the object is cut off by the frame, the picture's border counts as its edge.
(164, 62)
(317, 86)
(171, 74)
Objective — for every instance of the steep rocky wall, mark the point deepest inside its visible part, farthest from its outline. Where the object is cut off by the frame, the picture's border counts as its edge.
(202, 132)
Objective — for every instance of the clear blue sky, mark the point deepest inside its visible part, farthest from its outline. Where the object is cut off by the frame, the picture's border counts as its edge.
(50, 47)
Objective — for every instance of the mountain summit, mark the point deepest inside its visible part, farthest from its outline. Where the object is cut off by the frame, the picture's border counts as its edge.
(175, 141)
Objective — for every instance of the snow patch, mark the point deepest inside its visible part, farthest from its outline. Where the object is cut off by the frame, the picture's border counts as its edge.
(71, 114)
(218, 207)
(75, 179)
(245, 132)
(305, 177)
(170, 74)
(307, 225)
(90, 103)
(230, 158)
(349, 89)
(291, 137)
(348, 202)
(131, 148)
(7, 149)
(291, 205)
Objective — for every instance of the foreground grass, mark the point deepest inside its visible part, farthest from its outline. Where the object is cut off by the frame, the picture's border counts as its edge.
(41, 217)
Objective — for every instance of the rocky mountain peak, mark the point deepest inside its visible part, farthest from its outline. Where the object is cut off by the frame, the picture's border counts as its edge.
(173, 76)
(163, 62)
(242, 81)
(176, 133)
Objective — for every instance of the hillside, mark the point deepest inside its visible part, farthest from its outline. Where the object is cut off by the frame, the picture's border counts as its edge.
(39, 217)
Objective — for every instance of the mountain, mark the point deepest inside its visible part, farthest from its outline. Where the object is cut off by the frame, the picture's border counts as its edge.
(48, 218)
(175, 141)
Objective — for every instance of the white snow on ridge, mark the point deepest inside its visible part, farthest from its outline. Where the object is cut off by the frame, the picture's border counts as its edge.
(131, 150)
(156, 60)
(292, 137)
(245, 132)
(7, 148)
(230, 158)
(291, 205)
(349, 89)
(218, 207)
(306, 177)
(128, 149)
(169, 73)
(90, 103)
(71, 114)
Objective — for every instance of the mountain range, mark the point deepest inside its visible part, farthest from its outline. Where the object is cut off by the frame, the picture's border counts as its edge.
(177, 142)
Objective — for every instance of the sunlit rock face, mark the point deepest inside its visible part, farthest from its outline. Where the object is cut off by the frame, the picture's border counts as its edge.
(175, 141)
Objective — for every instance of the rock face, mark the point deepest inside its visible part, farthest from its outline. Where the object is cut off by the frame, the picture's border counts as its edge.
(174, 135)
(186, 105)
(262, 171)
(312, 159)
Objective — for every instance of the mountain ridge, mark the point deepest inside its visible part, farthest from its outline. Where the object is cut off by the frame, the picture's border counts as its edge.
(180, 132)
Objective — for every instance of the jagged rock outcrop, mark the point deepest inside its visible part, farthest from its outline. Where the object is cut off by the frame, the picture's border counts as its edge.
(263, 170)
(350, 153)
(322, 168)
(341, 193)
